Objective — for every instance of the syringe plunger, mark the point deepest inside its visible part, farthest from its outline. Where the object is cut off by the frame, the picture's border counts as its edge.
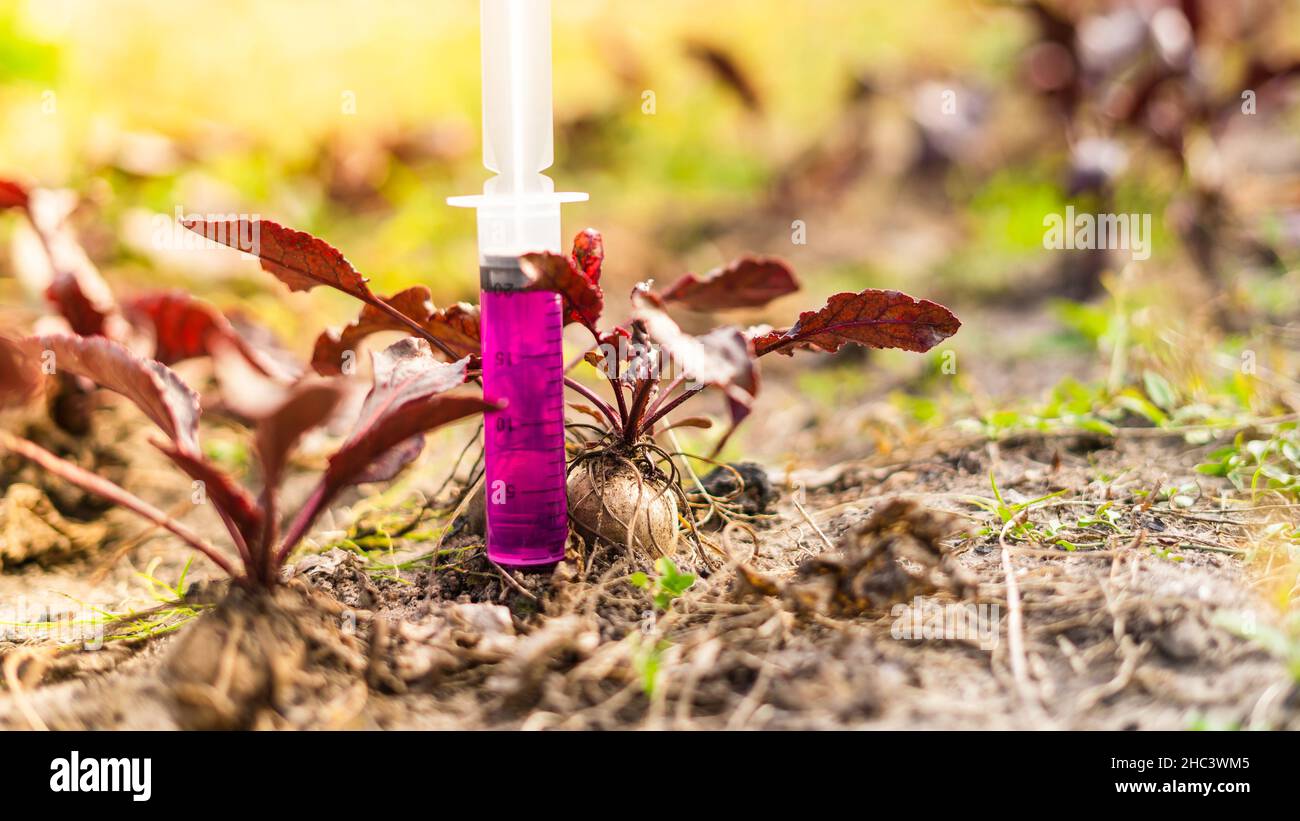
(519, 210)
(517, 125)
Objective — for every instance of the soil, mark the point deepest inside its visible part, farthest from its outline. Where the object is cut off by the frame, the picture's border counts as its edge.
(799, 618)
(45, 520)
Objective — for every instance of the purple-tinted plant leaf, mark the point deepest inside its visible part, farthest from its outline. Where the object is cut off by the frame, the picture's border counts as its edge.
(583, 298)
(364, 457)
(400, 407)
(589, 254)
(303, 262)
(308, 406)
(71, 282)
(393, 462)
(876, 319)
(84, 316)
(157, 391)
(404, 372)
(409, 398)
(327, 358)
(457, 326)
(721, 357)
(20, 374)
(297, 259)
(738, 411)
(749, 282)
(186, 328)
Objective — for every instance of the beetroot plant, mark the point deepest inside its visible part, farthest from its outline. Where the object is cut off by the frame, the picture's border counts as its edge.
(617, 488)
(412, 394)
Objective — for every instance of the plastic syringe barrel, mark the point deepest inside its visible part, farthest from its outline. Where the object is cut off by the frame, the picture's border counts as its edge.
(518, 213)
(524, 463)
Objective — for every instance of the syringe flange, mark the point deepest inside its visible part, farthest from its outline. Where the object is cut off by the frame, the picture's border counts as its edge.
(525, 200)
(513, 224)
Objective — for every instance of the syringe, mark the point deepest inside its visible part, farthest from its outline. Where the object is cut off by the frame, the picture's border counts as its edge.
(523, 361)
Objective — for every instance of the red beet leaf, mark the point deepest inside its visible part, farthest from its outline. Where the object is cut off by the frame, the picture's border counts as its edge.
(20, 375)
(185, 328)
(73, 284)
(721, 357)
(876, 319)
(309, 405)
(297, 259)
(327, 358)
(748, 282)
(589, 254)
(303, 262)
(457, 326)
(83, 315)
(150, 385)
(405, 372)
(583, 299)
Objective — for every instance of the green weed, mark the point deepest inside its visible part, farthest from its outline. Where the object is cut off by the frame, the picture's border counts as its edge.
(667, 586)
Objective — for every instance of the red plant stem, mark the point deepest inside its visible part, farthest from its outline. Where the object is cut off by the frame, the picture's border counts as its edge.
(775, 346)
(88, 481)
(236, 535)
(663, 397)
(617, 385)
(660, 413)
(241, 544)
(307, 514)
(600, 404)
(419, 329)
(637, 412)
(270, 533)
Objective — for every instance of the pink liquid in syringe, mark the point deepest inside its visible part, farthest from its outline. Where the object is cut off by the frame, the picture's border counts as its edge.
(523, 363)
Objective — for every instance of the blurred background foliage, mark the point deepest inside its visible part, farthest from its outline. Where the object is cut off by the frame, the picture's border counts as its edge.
(355, 120)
